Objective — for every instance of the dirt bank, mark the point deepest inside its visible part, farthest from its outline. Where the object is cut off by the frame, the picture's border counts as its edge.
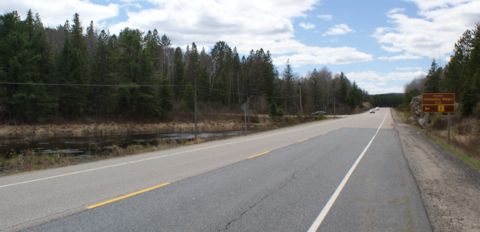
(450, 189)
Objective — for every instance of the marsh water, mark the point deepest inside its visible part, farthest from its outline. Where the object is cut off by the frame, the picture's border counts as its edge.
(99, 145)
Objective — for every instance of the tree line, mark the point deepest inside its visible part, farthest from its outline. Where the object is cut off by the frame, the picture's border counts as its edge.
(461, 75)
(387, 99)
(68, 73)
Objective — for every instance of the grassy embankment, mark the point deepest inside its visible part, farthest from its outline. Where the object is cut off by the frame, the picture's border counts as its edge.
(28, 160)
(465, 136)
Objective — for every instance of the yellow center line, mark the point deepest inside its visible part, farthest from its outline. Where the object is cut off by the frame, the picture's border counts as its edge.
(302, 140)
(257, 155)
(127, 195)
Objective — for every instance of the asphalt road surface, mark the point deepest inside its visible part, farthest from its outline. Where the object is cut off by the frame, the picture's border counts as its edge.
(347, 174)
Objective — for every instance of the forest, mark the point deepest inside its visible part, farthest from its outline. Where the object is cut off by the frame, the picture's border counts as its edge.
(68, 73)
(461, 75)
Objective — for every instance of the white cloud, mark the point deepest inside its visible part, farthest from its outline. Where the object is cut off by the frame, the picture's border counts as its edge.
(389, 82)
(322, 55)
(398, 75)
(425, 5)
(325, 17)
(307, 25)
(130, 3)
(54, 13)
(400, 57)
(433, 32)
(409, 68)
(339, 29)
(380, 87)
(247, 24)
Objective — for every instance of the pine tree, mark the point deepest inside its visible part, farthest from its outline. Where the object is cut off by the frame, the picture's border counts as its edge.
(432, 84)
(103, 99)
(91, 39)
(188, 97)
(178, 74)
(73, 73)
(288, 89)
(165, 95)
(129, 66)
(24, 59)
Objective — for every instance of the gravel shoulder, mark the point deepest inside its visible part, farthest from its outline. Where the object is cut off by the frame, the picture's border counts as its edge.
(449, 188)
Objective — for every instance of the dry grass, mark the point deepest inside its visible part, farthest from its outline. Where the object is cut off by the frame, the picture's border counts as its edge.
(110, 129)
(218, 122)
(29, 160)
(465, 137)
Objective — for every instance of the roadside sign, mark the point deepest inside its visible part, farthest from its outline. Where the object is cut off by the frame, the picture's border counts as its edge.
(438, 102)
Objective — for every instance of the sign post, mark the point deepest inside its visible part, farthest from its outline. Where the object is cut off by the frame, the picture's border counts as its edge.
(439, 103)
(448, 118)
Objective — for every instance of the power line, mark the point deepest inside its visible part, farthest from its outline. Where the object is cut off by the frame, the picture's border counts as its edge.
(243, 94)
(86, 85)
(136, 85)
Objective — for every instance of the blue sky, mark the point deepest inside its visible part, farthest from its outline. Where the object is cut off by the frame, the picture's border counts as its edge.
(379, 44)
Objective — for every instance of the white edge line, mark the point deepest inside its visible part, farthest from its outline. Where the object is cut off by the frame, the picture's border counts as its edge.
(318, 221)
(155, 157)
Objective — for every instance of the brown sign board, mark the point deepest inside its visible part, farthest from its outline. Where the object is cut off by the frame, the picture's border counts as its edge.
(438, 102)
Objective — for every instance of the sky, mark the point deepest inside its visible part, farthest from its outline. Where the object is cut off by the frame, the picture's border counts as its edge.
(379, 44)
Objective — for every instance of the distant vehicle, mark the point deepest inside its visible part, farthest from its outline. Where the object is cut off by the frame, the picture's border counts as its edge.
(377, 109)
(372, 111)
(320, 112)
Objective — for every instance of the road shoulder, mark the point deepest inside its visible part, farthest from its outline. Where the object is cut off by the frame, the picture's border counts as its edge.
(449, 188)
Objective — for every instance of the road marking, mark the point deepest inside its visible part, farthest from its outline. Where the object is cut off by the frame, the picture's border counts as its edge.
(127, 195)
(257, 155)
(255, 137)
(303, 140)
(318, 221)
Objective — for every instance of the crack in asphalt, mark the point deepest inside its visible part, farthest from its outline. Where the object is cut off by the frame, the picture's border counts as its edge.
(291, 178)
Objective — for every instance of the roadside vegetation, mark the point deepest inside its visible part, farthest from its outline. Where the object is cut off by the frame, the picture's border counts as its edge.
(465, 147)
(20, 160)
(71, 81)
(29, 160)
(461, 75)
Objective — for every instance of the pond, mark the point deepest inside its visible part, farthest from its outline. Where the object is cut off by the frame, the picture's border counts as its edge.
(99, 145)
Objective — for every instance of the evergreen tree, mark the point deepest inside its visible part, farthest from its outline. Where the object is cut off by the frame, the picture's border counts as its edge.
(188, 96)
(73, 73)
(193, 64)
(432, 84)
(91, 39)
(24, 59)
(178, 74)
(288, 89)
(148, 101)
(165, 95)
(103, 98)
(130, 65)
(138, 76)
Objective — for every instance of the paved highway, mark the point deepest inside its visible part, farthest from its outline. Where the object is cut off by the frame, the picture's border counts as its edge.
(346, 174)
